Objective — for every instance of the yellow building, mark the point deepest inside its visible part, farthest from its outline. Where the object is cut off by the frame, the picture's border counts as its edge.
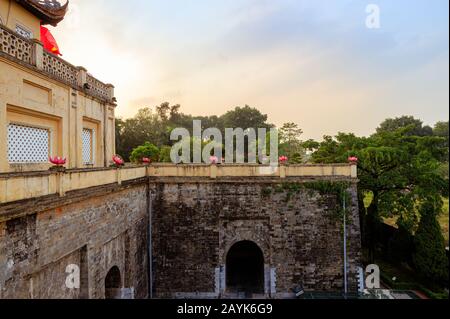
(48, 107)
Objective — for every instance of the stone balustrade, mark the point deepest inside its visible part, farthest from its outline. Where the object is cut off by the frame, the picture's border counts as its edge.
(32, 54)
(20, 186)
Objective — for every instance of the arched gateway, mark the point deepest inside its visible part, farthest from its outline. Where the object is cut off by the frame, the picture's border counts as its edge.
(113, 284)
(245, 268)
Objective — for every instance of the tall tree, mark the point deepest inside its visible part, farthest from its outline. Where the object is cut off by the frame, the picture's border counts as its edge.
(291, 143)
(398, 169)
(441, 130)
(245, 117)
(417, 128)
(429, 256)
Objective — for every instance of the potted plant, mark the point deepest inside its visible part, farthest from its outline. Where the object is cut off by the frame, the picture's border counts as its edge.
(283, 160)
(213, 160)
(118, 161)
(145, 154)
(353, 160)
(58, 163)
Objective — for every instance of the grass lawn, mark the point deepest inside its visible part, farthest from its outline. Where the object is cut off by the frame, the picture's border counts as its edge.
(402, 277)
(405, 277)
(443, 218)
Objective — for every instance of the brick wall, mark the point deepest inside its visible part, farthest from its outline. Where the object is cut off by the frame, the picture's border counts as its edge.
(95, 234)
(195, 224)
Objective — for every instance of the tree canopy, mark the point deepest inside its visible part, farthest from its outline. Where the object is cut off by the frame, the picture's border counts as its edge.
(402, 169)
(154, 125)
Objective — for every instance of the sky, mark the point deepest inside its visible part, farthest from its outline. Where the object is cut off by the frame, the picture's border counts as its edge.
(312, 62)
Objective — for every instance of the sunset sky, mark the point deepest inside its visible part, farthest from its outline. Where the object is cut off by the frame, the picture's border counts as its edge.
(310, 62)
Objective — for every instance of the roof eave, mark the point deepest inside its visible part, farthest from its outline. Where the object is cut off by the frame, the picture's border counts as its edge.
(46, 15)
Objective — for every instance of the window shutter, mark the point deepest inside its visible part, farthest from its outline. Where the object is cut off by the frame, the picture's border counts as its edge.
(28, 144)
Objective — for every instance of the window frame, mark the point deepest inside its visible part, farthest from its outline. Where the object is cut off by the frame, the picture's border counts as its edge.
(37, 127)
(24, 29)
(92, 146)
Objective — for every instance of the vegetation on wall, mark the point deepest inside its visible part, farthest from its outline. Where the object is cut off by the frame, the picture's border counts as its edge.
(336, 189)
(147, 150)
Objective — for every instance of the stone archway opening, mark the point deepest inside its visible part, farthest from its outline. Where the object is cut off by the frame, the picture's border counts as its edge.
(113, 284)
(245, 268)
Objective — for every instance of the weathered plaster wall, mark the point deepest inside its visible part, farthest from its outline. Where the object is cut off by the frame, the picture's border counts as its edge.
(30, 98)
(95, 234)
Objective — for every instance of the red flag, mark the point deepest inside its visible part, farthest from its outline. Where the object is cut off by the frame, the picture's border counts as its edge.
(49, 41)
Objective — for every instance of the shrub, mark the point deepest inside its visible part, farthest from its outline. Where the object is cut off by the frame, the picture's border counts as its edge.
(147, 150)
(296, 158)
(164, 154)
(400, 246)
(429, 257)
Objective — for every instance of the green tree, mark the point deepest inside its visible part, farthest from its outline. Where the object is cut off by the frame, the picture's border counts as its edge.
(391, 125)
(398, 169)
(147, 150)
(311, 145)
(335, 150)
(245, 117)
(429, 257)
(297, 158)
(441, 130)
(119, 129)
(164, 154)
(290, 143)
(133, 132)
(188, 144)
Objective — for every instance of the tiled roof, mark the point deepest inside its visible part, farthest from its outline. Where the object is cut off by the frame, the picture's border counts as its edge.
(49, 11)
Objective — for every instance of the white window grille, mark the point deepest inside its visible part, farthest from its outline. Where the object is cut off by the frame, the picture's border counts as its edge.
(27, 144)
(21, 30)
(88, 138)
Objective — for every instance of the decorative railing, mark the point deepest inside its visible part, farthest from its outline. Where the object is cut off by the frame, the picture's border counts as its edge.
(20, 186)
(60, 69)
(31, 52)
(97, 87)
(15, 45)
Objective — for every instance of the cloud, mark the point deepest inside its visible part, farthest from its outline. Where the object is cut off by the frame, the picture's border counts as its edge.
(313, 62)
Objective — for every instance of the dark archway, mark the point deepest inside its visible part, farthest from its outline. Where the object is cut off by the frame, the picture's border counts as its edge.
(113, 283)
(245, 268)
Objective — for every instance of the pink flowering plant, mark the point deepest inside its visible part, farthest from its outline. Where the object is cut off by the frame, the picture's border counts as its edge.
(118, 161)
(283, 159)
(353, 160)
(214, 160)
(58, 163)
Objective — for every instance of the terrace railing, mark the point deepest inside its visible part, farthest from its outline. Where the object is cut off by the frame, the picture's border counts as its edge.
(32, 54)
(20, 186)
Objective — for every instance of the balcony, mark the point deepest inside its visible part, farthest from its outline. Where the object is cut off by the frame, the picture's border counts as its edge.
(30, 53)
